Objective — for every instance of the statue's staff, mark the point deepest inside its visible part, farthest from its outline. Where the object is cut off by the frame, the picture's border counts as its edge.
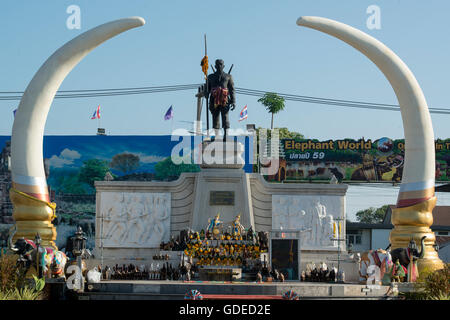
(204, 64)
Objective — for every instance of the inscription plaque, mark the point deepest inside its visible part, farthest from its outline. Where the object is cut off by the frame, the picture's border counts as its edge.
(221, 198)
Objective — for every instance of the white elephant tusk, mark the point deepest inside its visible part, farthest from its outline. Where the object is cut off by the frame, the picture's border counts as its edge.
(27, 165)
(419, 170)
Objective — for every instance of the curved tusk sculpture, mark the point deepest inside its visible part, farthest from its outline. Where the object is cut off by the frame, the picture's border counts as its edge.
(412, 217)
(32, 211)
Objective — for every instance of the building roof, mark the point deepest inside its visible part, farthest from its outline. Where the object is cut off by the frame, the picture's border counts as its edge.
(361, 225)
(443, 188)
(441, 220)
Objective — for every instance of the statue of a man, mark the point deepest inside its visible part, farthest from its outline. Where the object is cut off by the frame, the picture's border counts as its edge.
(318, 213)
(221, 97)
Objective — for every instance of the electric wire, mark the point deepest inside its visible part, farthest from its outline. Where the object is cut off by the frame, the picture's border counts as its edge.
(108, 92)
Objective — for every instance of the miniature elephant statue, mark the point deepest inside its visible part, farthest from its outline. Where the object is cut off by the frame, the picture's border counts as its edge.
(403, 254)
(408, 257)
(51, 261)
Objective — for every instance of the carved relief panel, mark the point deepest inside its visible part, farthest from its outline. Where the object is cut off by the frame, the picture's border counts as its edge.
(138, 220)
(315, 215)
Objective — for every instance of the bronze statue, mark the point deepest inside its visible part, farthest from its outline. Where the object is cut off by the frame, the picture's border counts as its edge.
(220, 90)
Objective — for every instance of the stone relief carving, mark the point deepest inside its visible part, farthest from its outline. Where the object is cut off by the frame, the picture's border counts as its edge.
(306, 213)
(134, 219)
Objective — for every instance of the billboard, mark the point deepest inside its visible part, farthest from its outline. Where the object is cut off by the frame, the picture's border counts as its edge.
(357, 160)
(73, 163)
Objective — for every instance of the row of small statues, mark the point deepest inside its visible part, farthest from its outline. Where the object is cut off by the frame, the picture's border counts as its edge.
(161, 257)
(188, 236)
(248, 236)
(222, 250)
(321, 274)
(133, 272)
(222, 261)
(184, 272)
(266, 274)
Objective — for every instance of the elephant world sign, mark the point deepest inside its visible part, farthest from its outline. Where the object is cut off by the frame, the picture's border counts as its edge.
(358, 160)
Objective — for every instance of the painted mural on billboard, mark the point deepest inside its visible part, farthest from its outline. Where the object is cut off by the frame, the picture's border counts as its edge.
(354, 160)
(73, 163)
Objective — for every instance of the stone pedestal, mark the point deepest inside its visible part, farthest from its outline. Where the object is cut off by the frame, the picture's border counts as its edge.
(222, 186)
(222, 154)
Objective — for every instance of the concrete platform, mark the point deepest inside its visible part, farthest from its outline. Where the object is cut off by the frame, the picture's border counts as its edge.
(175, 290)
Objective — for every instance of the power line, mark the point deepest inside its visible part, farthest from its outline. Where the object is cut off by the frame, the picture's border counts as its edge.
(345, 103)
(91, 93)
(107, 92)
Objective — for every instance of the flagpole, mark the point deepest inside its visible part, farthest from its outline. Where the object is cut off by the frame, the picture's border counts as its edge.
(206, 95)
(171, 124)
(98, 116)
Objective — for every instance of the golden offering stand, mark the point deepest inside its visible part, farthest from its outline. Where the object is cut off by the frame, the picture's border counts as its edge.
(33, 216)
(415, 222)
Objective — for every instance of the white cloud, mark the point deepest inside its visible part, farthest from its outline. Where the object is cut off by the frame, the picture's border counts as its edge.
(70, 154)
(65, 158)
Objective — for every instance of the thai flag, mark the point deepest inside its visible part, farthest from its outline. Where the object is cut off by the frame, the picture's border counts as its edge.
(96, 114)
(243, 114)
(169, 114)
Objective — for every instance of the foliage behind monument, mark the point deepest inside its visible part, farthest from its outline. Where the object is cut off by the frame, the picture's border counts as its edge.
(93, 170)
(372, 215)
(125, 162)
(167, 170)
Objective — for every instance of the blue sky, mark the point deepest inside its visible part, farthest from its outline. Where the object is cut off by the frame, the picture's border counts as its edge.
(268, 50)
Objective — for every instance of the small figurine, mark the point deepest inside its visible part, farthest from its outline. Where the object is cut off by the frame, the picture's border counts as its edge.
(213, 226)
(237, 228)
(259, 277)
(398, 272)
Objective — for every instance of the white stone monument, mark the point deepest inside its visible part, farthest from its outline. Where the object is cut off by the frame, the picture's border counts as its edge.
(134, 217)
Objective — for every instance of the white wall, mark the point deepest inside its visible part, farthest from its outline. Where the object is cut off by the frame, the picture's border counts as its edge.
(380, 238)
(444, 254)
(365, 242)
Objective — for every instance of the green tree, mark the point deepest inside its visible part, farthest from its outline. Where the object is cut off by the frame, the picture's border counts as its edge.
(167, 170)
(273, 103)
(372, 215)
(93, 170)
(124, 162)
(284, 133)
